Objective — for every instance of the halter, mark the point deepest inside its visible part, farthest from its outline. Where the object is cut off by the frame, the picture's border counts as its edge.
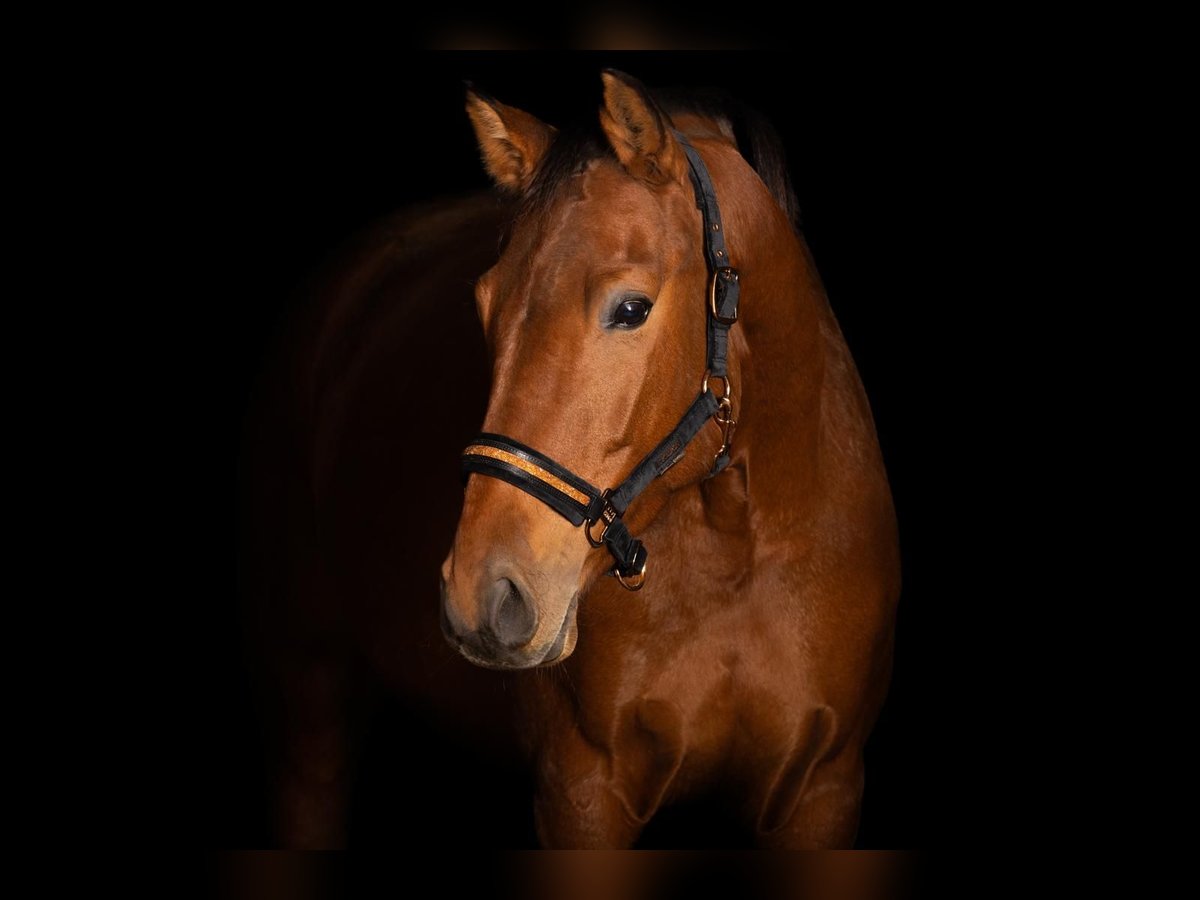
(581, 503)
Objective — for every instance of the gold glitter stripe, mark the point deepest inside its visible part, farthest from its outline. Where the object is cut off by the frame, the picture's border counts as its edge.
(526, 466)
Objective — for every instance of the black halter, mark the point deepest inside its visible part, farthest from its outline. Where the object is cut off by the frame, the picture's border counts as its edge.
(580, 502)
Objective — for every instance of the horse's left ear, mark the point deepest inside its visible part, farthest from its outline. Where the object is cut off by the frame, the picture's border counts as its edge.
(639, 131)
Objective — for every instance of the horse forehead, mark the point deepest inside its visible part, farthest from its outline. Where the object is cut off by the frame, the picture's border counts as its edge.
(599, 217)
(606, 200)
(604, 214)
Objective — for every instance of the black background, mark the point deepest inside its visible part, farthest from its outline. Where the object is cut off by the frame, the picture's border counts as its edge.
(287, 165)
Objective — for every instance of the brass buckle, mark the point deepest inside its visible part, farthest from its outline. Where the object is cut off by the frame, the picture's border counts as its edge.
(608, 515)
(729, 274)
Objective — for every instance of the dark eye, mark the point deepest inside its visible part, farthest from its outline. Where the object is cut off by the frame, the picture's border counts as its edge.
(631, 312)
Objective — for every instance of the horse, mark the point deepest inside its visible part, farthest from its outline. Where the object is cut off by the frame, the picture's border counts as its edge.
(739, 646)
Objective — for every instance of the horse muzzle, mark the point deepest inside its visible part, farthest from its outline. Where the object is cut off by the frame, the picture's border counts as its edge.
(511, 630)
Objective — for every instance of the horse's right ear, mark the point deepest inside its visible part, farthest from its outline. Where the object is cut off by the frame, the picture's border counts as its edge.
(512, 141)
(639, 132)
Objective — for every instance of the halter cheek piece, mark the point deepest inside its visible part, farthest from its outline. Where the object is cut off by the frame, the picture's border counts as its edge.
(579, 502)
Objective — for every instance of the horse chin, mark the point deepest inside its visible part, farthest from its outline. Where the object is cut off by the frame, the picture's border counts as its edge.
(558, 652)
(568, 634)
(566, 646)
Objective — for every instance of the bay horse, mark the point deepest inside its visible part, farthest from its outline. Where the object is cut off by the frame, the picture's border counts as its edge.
(754, 656)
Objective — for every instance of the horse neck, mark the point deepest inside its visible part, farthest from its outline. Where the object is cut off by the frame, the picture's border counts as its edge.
(778, 348)
(711, 534)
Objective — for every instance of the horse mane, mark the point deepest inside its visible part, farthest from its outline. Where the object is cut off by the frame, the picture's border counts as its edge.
(753, 134)
(755, 137)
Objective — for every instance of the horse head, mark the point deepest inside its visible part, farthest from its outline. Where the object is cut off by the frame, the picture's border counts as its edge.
(594, 316)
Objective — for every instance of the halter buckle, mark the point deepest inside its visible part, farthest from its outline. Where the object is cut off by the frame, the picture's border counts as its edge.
(728, 276)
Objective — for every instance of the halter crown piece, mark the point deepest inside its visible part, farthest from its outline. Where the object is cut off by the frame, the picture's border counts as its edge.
(579, 502)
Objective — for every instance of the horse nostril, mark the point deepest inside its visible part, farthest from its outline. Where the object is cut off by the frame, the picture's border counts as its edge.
(513, 618)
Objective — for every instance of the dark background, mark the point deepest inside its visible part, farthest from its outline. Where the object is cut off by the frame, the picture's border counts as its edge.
(287, 165)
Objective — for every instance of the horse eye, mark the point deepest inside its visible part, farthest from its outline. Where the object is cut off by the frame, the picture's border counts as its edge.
(631, 313)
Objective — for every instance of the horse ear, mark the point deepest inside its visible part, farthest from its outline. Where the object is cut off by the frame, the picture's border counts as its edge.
(512, 141)
(639, 132)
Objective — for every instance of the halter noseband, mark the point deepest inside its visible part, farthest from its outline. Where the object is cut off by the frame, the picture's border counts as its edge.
(579, 502)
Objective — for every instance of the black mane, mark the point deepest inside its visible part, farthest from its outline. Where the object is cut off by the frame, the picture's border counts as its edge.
(580, 143)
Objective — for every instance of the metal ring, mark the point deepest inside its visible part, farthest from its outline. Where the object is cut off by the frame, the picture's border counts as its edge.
(708, 374)
(640, 576)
